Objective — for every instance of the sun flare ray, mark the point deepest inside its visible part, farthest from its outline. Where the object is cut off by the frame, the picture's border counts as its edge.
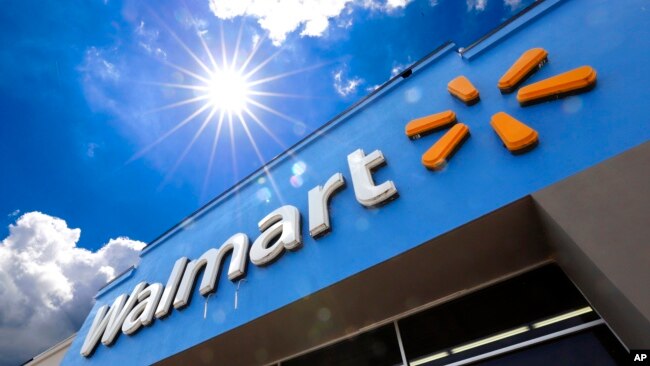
(213, 61)
(187, 49)
(224, 52)
(187, 72)
(267, 172)
(284, 74)
(237, 44)
(170, 132)
(213, 151)
(233, 152)
(256, 47)
(279, 95)
(187, 149)
(264, 128)
(177, 86)
(178, 104)
(261, 65)
(276, 112)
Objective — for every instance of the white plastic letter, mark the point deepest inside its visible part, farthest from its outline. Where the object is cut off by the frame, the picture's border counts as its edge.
(319, 217)
(365, 190)
(284, 221)
(172, 286)
(211, 260)
(142, 314)
(108, 322)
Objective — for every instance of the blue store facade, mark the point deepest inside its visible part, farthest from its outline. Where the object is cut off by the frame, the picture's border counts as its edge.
(493, 258)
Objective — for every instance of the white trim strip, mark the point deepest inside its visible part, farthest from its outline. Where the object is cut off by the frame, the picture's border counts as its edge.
(401, 345)
(559, 318)
(494, 338)
(530, 342)
(433, 357)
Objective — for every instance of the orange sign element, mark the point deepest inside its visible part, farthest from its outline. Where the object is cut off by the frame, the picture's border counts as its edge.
(463, 89)
(571, 82)
(437, 155)
(430, 123)
(529, 62)
(515, 135)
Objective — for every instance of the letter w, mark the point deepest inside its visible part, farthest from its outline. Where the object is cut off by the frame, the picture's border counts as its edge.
(108, 322)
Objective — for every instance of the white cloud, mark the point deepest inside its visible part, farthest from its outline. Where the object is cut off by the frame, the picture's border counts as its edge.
(96, 63)
(255, 39)
(388, 6)
(513, 4)
(14, 213)
(345, 87)
(478, 5)
(47, 283)
(148, 40)
(90, 149)
(396, 4)
(99, 73)
(397, 68)
(372, 88)
(282, 17)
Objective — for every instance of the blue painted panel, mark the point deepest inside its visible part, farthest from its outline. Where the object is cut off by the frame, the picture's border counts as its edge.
(575, 133)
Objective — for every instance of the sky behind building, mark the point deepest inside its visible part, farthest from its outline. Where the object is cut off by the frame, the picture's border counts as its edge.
(112, 126)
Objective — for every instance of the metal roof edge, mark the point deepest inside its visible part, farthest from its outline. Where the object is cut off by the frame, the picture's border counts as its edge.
(509, 27)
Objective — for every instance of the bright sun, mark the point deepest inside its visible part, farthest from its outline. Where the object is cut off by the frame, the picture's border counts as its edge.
(228, 91)
(225, 92)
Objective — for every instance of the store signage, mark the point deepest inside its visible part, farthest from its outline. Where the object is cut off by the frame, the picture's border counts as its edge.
(280, 230)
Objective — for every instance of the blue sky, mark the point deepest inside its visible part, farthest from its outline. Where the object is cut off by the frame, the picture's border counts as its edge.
(83, 83)
(78, 81)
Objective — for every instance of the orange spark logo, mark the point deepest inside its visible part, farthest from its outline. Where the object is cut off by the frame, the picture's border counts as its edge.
(516, 136)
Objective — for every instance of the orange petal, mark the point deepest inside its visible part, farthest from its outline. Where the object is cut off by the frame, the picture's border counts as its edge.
(463, 89)
(437, 155)
(429, 123)
(529, 62)
(514, 134)
(570, 82)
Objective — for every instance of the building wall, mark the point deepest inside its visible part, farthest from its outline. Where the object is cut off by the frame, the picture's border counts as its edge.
(597, 223)
(53, 356)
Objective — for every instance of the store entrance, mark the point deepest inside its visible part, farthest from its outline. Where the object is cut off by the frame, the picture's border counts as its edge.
(537, 318)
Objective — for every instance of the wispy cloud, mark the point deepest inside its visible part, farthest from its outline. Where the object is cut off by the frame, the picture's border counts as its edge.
(396, 69)
(147, 38)
(47, 283)
(91, 148)
(372, 88)
(345, 86)
(478, 5)
(99, 74)
(513, 4)
(96, 63)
